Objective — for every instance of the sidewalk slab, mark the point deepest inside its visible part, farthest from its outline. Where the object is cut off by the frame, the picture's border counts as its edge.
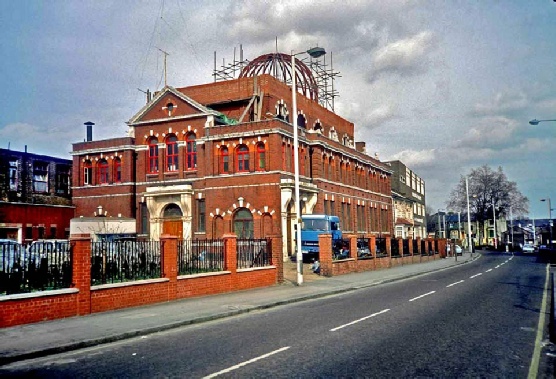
(62, 335)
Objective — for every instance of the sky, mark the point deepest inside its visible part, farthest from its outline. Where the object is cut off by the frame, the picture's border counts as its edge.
(444, 86)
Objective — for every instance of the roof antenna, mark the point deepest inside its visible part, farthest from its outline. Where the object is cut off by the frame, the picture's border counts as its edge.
(165, 70)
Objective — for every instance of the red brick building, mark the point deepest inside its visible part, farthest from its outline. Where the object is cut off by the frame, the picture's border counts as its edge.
(210, 159)
(35, 196)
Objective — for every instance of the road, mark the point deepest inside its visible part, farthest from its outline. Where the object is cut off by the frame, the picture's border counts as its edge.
(474, 320)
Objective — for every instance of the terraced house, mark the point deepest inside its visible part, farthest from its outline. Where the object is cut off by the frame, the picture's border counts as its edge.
(216, 158)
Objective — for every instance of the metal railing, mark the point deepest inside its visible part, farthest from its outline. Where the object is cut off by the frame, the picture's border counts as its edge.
(415, 247)
(364, 248)
(254, 253)
(340, 249)
(200, 256)
(122, 261)
(395, 248)
(40, 266)
(405, 245)
(381, 247)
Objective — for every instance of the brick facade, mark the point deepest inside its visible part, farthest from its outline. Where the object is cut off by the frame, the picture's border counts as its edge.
(184, 153)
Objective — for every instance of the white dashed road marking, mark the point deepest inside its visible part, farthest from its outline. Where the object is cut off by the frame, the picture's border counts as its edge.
(246, 362)
(453, 284)
(419, 297)
(361, 319)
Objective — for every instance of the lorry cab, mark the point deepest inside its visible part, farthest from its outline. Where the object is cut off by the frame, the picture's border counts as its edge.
(314, 225)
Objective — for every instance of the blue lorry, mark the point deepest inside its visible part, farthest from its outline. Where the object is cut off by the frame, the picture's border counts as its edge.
(312, 226)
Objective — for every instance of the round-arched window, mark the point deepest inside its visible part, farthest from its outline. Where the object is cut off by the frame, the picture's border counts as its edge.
(243, 223)
(172, 210)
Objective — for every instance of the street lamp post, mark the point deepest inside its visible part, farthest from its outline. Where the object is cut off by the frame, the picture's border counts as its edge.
(494, 217)
(314, 53)
(468, 216)
(549, 220)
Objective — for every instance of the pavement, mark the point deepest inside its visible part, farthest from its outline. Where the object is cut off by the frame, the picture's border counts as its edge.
(57, 336)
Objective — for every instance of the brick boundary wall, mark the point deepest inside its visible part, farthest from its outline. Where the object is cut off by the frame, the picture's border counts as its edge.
(330, 267)
(82, 299)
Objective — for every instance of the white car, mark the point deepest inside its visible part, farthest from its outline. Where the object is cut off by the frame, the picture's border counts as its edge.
(528, 249)
(458, 249)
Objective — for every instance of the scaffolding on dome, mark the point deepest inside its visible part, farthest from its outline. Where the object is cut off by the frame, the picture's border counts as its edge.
(315, 79)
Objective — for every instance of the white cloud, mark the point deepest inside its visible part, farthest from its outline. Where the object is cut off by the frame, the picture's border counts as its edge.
(405, 56)
(413, 158)
(503, 102)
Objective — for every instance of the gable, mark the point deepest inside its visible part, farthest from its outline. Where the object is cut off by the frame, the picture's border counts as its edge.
(169, 104)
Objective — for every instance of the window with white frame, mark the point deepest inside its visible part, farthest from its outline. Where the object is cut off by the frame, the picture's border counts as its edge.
(40, 177)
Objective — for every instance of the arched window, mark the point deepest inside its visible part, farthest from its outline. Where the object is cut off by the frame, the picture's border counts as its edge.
(301, 121)
(102, 172)
(153, 156)
(172, 153)
(282, 111)
(224, 159)
(318, 127)
(261, 157)
(243, 223)
(242, 158)
(191, 152)
(172, 211)
(117, 170)
(88, 173)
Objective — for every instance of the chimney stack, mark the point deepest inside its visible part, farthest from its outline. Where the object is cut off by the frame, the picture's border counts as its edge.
(89, 126)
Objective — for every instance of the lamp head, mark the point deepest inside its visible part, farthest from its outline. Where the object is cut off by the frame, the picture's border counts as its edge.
(316, 52)
(534, 122)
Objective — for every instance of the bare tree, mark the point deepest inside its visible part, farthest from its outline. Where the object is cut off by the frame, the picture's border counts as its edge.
(488, 190)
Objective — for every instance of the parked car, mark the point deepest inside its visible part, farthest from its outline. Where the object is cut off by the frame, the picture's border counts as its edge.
(10, 253)
(363, 250)
(458, 249)
(528, 249)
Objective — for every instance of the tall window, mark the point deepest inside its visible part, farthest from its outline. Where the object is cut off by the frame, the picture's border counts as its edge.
(40, 177)
(103, 172)
(144, 218)
(172, 153)
(243, 224)
(62, 179)
(191, 151)
(242, 158)
(14, 175)
(261, 158)
(201, 216)
(87, 173)
(360, 218)
(225, 159)
(327, 207)
(301, 121)
(117, 170)
(153, 156)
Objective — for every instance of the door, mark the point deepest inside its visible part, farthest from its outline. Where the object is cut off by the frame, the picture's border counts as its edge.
(173, 227)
